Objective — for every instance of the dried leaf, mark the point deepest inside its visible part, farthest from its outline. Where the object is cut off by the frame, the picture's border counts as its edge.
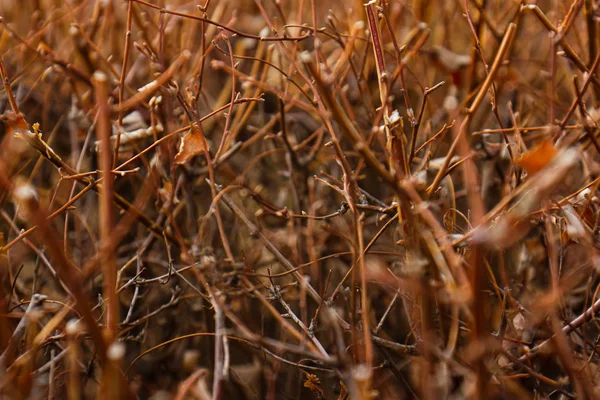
(576, 228)
(192, 144)
(519, 322)
(537, 158)
(313, 383)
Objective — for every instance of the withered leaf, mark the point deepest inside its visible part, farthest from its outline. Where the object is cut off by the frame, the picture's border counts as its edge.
(191, 145)
(538, 157)
(313, 383)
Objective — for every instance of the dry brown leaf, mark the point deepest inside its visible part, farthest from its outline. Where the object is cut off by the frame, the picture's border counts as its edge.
(537, 158)
(192, 144)
(313, 383)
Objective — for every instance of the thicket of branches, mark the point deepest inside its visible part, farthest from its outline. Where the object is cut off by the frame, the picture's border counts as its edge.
(299, 199)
